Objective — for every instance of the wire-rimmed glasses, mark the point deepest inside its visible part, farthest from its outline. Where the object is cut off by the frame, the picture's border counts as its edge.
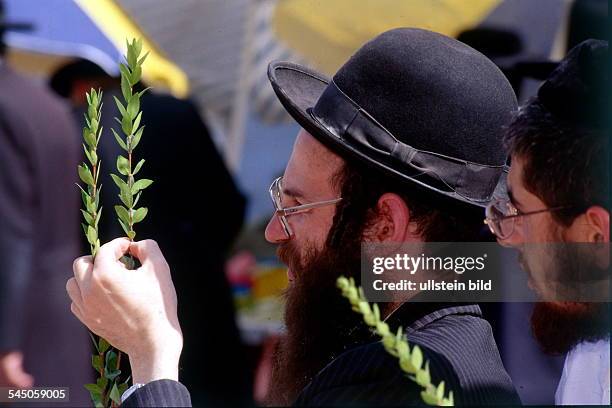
(276, 193)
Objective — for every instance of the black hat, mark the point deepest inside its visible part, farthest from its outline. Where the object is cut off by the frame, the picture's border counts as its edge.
(415, 104)
(578, 90)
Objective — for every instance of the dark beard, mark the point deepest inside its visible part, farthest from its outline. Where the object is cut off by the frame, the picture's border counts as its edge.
(559, 326)
(320, 322)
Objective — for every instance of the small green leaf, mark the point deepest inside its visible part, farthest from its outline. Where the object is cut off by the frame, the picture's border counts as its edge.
(115, 395)
(143, 58)
(138, 166)
(88, 217)
(85, 175)
(402, 348)
(111, 359)
(137, 44)
(137, 122)
(440, 390)
(120, 106)
(131, 235)
(126, 125)
(133, 107)
(137, 136)
(126, 198)
(97, 220)
(102, 382)
(123, 214)
(92, 235)
(84, 228)
(136, 74)
(137, 199)
(96, 362)
(416, 357)
(423, 377)
(429, 399)
(406, 365)
(112, 374)
(119, 182)
(125, 228)
(89, 137)
(125, 72)
(103, 345)
(119, 140)
(141, 185)
(126, 90)
(139, 214)
(123, 165)
(93, 388)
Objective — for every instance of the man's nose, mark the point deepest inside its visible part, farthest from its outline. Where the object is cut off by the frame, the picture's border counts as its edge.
(275, 234)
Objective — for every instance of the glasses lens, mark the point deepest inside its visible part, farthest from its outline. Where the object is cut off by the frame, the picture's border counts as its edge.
(500, 216)
(275, 194)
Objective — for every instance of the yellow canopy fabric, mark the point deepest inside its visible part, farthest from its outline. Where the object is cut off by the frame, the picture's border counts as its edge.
(327, 33)
(157, 70)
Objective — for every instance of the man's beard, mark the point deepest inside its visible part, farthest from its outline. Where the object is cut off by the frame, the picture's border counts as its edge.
(559, 326)
(320, 322)
(560, 272)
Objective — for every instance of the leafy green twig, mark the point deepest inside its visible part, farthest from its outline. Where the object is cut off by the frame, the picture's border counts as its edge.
(410, 361)
(130, 189)
(89, 174)
(107, 390)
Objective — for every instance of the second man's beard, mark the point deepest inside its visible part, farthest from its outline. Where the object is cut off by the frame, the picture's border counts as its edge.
(319, 321)
(559, 326)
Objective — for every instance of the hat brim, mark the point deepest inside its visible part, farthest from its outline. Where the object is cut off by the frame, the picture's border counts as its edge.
(16, 26)
(298, 88)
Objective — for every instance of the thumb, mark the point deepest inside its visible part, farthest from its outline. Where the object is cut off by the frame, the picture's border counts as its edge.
(110, 252)
(147, 251)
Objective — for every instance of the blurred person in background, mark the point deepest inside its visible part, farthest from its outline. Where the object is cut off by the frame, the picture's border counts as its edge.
(559, 193)
(407, 99)
(40, 344)
(192, 187)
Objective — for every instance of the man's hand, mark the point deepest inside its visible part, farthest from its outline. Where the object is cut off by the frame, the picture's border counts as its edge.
(135, 310)
(12, 373)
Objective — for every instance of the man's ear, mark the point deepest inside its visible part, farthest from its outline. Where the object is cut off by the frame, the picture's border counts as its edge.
(392, 220)
(598, 220)
(591, 226)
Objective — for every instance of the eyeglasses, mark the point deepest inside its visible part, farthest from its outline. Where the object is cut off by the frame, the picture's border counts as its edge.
(501, 215)
(276, 193)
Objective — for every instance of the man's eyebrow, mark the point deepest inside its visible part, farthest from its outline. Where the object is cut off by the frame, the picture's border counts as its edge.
(293, 192)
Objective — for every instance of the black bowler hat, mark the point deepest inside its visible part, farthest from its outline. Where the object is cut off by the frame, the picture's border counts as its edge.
(415, 104)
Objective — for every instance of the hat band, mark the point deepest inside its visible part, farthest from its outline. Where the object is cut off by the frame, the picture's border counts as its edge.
(345, 119)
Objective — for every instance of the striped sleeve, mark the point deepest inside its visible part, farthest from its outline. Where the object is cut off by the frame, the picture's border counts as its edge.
(160, 393)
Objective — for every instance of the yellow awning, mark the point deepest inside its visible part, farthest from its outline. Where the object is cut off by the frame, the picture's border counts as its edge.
(327, 33)
(158, 71)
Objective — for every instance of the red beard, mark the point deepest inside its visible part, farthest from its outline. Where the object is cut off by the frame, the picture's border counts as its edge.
(559, 326)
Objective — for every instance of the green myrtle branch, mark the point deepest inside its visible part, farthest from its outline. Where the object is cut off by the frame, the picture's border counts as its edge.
(410, 361)
(130, 189)
(89, 174)
(106, 391)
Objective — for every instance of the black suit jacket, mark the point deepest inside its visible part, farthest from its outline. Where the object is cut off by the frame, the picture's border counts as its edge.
(455, 339)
